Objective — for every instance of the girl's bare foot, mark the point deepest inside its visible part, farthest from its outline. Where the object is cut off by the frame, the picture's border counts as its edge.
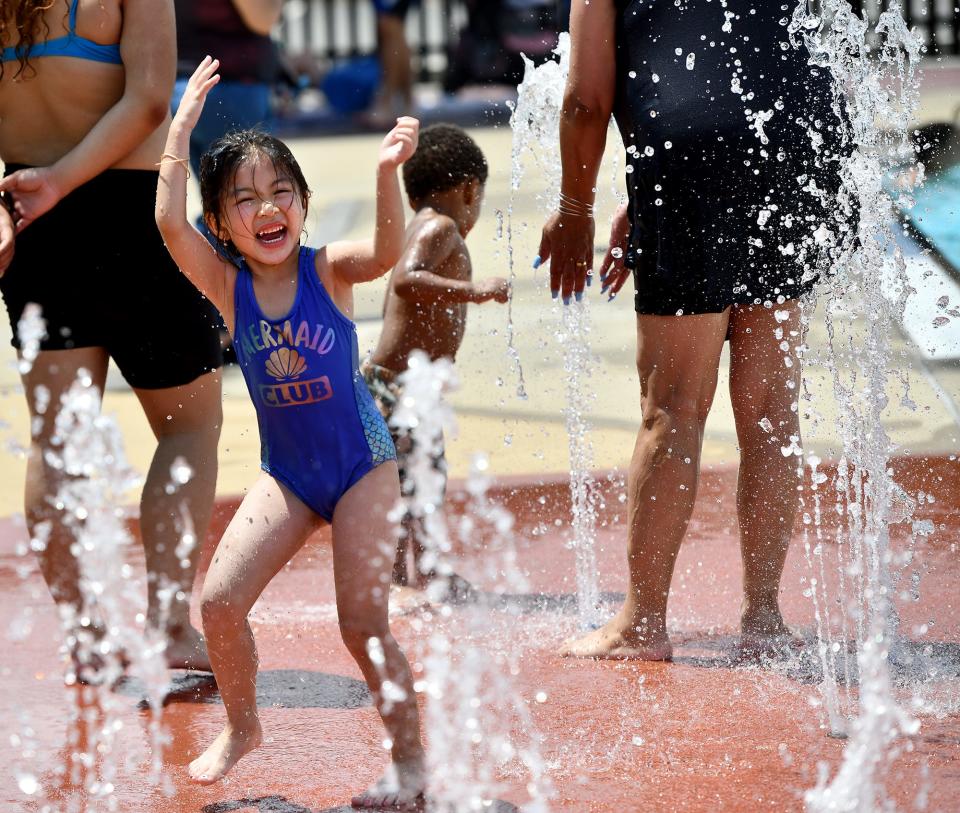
(187, 649)
(402, 788)
(619, 639)
(225, 752)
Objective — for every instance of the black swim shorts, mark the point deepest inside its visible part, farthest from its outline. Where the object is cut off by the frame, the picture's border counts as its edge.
(99, 270)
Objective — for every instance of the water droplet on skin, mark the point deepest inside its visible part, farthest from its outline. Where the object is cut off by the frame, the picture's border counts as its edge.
(616, 252)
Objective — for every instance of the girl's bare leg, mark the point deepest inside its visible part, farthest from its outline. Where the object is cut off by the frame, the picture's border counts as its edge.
(363, 557)
(186, 421)
(677, 358)
(270, 526)
(765, 387)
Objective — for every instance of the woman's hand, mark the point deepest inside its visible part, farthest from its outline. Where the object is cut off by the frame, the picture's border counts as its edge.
(567, 243)
(34, 191)
(400, 143)
(191, 104)
(6, 238)
(613, 271)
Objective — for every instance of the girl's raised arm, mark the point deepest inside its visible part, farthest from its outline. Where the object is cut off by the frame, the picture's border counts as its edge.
(189, 249)
(363, 260)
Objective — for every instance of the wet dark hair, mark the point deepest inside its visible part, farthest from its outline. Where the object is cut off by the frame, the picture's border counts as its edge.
(220, 163)
(446, 157)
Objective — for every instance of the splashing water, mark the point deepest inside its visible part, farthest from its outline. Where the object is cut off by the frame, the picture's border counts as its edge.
(104, 638)
(101, 638)
(31, 329)
(535, 122)
(878, 94)
(477, 724)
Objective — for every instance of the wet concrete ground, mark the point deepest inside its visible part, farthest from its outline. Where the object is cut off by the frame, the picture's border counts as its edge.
(699, 734)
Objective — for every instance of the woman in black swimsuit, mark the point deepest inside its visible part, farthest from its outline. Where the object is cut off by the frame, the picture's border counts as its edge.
(736, 207)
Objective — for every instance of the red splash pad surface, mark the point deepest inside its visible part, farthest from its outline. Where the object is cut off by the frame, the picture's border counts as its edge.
(698, 734)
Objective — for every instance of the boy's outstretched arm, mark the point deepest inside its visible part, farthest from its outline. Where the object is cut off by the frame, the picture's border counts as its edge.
(416, 278)
(365, 260)
(190, 250)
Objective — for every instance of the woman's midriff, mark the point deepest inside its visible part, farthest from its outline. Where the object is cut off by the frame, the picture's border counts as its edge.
(48, 111)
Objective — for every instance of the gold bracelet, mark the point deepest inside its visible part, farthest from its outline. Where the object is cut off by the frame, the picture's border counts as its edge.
(172, 159)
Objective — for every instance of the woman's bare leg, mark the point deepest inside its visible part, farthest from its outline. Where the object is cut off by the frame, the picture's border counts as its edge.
(51, 376)
(677, 359)
(186, 421)
(363, 556)
(764, 389)
(270, 526)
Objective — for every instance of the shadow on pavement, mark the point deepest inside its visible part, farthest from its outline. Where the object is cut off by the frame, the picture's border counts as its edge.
(276, 688)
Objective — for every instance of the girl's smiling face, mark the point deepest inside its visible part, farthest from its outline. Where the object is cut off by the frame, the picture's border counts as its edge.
(264, 212)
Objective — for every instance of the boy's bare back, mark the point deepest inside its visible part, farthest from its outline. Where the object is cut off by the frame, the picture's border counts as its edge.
(428, 292)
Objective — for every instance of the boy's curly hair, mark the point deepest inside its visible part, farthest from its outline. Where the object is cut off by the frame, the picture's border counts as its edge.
(219, 165)
(445, 157)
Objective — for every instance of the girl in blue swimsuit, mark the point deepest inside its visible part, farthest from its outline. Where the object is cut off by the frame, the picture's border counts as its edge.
(326, 453)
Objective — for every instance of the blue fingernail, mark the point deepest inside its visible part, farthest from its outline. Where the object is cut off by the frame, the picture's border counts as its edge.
(566, 300)
(589, 280)
(578, 296)
(554, 293)
(603, 290)
(537, 261)
(612, 297)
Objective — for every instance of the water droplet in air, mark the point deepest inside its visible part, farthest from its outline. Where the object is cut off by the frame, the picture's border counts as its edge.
(691, 59)
(28, 784)
(180, 471)
(943, 301)
(648, 150)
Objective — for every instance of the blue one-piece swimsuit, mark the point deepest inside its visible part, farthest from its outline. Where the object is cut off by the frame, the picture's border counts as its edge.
(320, 431)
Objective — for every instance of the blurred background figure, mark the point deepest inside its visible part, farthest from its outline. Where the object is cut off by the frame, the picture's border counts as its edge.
(395, 97)
(237, 32)
(489, 47)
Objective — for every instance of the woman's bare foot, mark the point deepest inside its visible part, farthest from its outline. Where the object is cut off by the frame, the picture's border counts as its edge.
(619, 639)
(402, 787)
(449, 589)
(764, 635)
(405, 599)
(224, 752)
(187, 649)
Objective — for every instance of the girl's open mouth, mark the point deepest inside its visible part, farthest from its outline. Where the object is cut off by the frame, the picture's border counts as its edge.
(272, 234)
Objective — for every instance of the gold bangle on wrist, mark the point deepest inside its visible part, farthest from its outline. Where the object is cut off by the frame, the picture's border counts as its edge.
(170, 158)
